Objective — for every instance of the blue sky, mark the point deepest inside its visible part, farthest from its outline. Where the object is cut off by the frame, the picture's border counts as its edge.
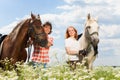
(11, 9)
(63, 13)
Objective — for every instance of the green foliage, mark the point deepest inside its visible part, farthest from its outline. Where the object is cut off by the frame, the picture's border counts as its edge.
(7, 64)
(107, 73)
(59, 72)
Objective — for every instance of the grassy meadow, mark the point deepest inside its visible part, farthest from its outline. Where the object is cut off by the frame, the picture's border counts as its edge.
(58, 72)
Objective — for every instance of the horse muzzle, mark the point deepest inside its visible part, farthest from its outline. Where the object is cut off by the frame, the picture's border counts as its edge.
(95, 40)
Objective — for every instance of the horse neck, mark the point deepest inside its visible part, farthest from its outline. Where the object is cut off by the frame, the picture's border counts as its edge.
(19, 35)
(83, 42)
(22, 35)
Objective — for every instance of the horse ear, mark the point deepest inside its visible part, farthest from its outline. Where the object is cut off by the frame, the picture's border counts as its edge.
(38, 16)
(39, 19)
(88, 17)
(33, 16)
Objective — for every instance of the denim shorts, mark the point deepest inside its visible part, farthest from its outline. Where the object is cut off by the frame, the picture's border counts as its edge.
(36, 64)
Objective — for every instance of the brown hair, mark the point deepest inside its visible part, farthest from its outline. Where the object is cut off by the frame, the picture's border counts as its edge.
(67, 34)
(48, 24)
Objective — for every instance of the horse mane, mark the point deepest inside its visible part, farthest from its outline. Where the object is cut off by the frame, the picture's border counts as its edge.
(17, 28)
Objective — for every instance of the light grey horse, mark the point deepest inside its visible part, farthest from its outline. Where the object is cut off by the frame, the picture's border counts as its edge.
(89, 41)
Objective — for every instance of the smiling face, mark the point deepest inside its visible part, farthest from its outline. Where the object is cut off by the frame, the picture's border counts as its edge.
(71, 32)
(47, 29)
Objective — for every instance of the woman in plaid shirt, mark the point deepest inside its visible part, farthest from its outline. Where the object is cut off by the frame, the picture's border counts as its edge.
(40, 54)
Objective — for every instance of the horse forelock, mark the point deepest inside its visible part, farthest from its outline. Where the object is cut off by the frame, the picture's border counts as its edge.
(90, 21)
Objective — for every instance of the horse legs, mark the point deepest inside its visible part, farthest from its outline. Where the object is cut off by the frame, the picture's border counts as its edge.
(90, 62)
(72, 64)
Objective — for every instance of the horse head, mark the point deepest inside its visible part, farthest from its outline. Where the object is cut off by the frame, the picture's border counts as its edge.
(91, 30)
(36, 31)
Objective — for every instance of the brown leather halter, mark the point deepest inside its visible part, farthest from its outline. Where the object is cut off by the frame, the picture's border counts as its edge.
(31, 30)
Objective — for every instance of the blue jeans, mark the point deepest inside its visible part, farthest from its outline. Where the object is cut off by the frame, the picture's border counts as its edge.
(35, 64)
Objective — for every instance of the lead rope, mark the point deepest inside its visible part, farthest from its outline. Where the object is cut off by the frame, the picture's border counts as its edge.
(29, 52)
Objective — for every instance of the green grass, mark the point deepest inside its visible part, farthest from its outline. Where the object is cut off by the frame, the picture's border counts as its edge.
(60, 72)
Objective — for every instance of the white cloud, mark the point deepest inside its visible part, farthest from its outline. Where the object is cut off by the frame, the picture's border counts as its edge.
(56, 34)
(117, 10)
(108, 45)
(96, 1)
(70, 1)
(69, 7)
(109, 30)
(7, 29)
(62, 19)
(110, 7)
(82, 11)
(109, 2)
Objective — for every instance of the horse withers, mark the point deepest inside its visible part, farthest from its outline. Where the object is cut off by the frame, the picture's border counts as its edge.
(14, 44)
(89, 42)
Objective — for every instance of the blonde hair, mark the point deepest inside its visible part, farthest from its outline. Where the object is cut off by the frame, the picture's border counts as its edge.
(67, 33)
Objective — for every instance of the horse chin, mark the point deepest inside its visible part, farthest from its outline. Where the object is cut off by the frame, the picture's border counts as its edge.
(94, 44)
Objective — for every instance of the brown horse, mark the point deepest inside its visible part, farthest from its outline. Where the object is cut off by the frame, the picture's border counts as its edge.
(13, 46)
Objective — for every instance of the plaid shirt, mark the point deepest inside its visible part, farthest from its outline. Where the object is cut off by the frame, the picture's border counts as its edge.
(40, 54)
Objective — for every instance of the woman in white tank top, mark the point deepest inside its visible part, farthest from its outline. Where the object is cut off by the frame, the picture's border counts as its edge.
(72, 46)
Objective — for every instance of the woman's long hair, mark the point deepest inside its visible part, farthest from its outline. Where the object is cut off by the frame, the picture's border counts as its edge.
(67, 33)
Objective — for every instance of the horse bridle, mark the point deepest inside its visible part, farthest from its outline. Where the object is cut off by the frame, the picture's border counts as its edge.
(32, 30)
(91, 33)
(88, 36)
